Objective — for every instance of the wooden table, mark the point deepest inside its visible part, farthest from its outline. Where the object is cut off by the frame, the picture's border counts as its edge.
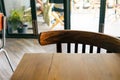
(68, 67)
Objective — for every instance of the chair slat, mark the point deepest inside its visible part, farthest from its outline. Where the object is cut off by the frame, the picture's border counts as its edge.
(98, 50)
(91, 49)
(83, 48)
(76, 47)
(68, 47)
(59, 48)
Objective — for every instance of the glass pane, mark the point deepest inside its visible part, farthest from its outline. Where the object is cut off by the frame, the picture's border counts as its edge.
(112, 18)
(85, 15)
(18, 16)
(50, 16)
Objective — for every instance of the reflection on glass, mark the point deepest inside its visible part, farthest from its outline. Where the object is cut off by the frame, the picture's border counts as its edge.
(112, 18)
(85, 15)
(19, 16)
(51, 17)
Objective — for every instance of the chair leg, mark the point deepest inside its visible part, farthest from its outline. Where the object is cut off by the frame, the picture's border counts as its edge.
(8, 59)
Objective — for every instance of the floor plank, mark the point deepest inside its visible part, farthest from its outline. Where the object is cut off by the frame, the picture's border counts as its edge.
(16, 48)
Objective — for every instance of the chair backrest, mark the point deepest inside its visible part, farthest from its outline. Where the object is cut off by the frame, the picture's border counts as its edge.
(111, 44)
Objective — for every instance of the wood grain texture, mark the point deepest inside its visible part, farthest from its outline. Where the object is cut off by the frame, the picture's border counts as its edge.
(68, 67)
(107, 42)
(85, 67)
(33, 67)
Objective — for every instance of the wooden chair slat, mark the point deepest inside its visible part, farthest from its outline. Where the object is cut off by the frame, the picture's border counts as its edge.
(98, 50)
(68, 47)
(76, 47)
(83, 48)
(91, 49)
(59, 47)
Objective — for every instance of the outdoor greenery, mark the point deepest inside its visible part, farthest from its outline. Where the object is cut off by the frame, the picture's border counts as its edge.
(17, 18)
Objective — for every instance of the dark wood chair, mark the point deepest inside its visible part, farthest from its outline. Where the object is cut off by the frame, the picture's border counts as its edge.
(109, 43)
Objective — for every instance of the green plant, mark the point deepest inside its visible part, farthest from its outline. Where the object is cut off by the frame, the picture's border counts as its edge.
(14, 18)
(18, 18)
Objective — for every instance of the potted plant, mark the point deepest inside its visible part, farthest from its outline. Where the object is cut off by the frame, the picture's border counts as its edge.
(17, 20)
(22, 28)
(25, 18)
(14, 20)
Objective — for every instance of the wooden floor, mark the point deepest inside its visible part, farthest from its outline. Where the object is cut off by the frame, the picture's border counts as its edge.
(16, 48)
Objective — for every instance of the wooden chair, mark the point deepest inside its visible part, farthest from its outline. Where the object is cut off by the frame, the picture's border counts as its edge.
(111, 44)
(3, 31)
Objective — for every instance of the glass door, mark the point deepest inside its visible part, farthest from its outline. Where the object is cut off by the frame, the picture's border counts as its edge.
(50, 15)
(112, 18)
(19, 17)
(85, 15)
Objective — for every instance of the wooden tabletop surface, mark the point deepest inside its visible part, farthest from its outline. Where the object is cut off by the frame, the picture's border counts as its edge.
(68, 67)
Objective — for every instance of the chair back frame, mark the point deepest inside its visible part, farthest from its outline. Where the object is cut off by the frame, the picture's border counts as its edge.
(100, 40)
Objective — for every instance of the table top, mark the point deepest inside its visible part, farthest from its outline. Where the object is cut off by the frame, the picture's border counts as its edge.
(68, 67)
